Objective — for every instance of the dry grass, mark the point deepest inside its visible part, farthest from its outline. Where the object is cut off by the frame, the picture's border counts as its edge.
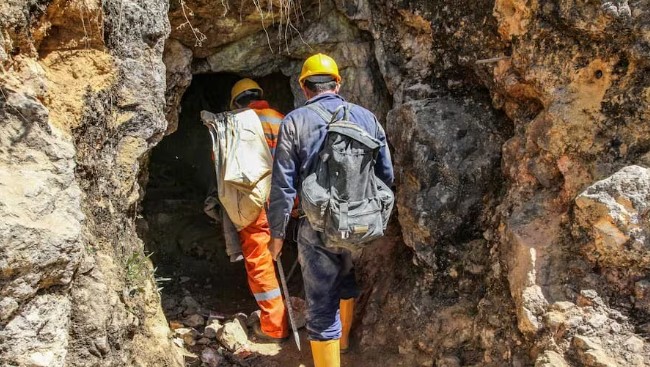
(290, 15)
(199, 37)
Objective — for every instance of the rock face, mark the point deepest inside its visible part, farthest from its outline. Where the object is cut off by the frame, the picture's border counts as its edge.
(611, 217)
(520, 132)
(177, 60)
(448, 150)
(575, 98)
(610, 228)
(80, 106)
(41, 225)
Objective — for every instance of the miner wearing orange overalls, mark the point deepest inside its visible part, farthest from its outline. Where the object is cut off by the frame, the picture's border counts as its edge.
(254, 239)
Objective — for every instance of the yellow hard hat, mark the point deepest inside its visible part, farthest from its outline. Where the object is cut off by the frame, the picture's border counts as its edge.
(319, 64)
(241, 87)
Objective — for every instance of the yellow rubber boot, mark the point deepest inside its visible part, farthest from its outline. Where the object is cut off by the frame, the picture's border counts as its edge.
(326, 353)
(347, 312)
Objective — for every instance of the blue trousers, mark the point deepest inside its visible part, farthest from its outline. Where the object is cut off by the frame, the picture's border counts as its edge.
(328, 276)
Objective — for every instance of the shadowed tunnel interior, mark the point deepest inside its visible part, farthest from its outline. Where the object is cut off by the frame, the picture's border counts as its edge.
(187, 246)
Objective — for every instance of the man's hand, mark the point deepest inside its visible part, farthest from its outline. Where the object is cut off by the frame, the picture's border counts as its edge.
(275, 247)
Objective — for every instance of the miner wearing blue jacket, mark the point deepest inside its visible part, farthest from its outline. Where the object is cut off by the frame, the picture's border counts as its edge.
(328, 277)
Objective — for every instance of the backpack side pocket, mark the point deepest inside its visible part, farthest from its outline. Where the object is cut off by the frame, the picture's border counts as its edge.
(387, 199)
(314, 201)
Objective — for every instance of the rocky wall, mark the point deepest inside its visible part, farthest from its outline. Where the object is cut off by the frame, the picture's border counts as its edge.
(82, 100)
(571, 78)
(520, 132)
(585, 68)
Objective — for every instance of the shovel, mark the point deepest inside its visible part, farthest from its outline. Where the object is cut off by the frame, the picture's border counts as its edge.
(287, 300)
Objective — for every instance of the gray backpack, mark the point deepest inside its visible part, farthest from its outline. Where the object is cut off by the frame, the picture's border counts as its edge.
(342, 197)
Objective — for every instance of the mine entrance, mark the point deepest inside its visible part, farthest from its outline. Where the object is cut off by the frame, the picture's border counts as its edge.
(187, 245)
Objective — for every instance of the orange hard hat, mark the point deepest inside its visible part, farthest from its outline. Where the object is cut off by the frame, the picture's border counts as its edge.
(242, 86)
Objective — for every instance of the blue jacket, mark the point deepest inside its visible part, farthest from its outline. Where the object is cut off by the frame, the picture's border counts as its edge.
(301, 135)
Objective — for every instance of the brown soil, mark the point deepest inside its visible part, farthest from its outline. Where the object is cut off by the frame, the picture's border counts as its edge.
(70, 76)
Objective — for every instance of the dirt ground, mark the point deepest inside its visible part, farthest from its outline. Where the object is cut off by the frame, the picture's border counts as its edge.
(229, 295)
(287, 355)
(220, 287)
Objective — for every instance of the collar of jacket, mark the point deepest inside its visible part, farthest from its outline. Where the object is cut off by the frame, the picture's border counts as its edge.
(323, 97)
(259, 105)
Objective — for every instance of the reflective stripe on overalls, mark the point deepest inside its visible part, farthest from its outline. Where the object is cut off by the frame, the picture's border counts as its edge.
(261, 277)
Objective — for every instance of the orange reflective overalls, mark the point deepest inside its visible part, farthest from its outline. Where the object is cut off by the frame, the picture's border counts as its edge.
(255, 239)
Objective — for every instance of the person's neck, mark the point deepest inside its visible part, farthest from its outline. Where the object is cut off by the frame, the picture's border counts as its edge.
(311, 94)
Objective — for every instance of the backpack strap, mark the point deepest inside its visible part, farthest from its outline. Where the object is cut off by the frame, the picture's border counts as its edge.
(351, 130)
(343, 220)
(357, 133)
(321, 111)
(330, 117)
(346, 112)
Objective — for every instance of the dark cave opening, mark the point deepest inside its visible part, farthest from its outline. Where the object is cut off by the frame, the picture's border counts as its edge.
(187, 246)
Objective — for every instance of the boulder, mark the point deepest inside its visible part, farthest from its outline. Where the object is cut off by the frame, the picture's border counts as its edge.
(610, 219)
(194, 321)
(212, 329)
(210, 357)
(590, 352)
(550, 359)
(191, 306)
(233, 335)
(447, 162)
(188, 335)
